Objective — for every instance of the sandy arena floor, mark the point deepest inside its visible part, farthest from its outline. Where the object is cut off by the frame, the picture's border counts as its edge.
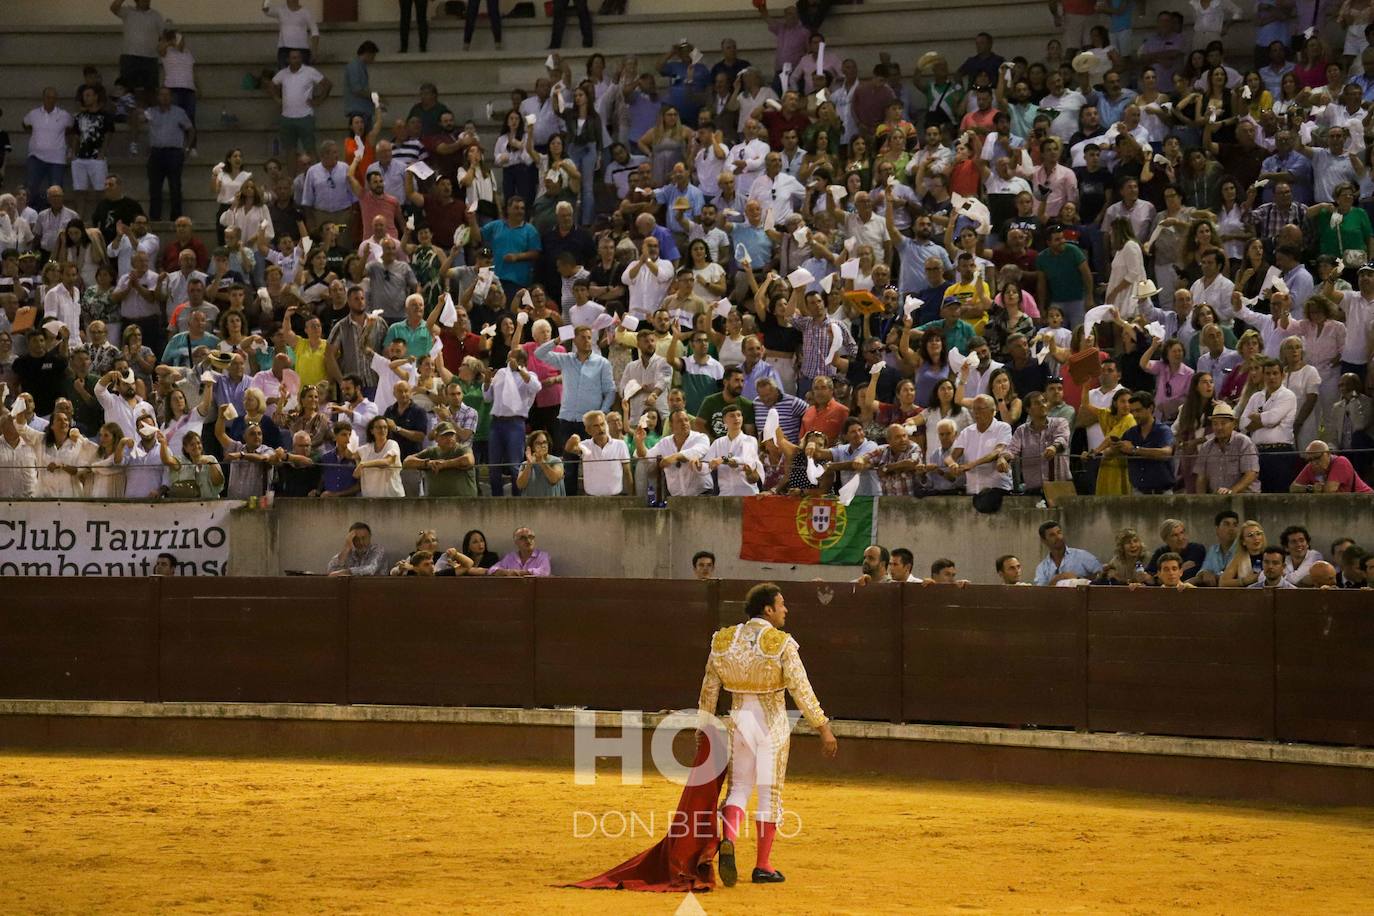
(88, 834)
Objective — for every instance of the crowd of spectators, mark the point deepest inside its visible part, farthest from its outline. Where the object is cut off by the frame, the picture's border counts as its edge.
(1240, 557)
(1112, 268)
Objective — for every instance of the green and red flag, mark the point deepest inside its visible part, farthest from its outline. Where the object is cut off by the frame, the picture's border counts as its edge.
(792, 529)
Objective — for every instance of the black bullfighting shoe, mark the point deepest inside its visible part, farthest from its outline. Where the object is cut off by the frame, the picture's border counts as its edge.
(728, 874)
(767, 877)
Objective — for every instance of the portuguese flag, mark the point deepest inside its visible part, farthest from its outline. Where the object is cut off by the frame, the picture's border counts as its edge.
(793, 529)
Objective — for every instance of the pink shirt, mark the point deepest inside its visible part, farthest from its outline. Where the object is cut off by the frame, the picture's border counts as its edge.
(1171, 388)
(537, 565)
(1322, 349)
(1341, 472)
(549, 394)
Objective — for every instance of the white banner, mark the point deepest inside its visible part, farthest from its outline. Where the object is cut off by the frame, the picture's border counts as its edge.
(75, 538)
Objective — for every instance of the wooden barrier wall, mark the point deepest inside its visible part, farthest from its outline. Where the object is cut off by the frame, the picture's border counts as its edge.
(1265, 665)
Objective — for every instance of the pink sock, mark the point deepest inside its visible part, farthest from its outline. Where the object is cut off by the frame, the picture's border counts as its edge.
(766, 831)
(732, 816)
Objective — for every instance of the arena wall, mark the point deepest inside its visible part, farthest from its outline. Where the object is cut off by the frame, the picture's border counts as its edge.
(1258, 665)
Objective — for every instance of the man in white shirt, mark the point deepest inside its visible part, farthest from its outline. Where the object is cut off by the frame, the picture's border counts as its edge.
(1358, 306)
(776, 191)
(1214, 289)
(734, 457)
(131, 237)
(354, 407)
(980, 454)
(1066, 102)
(747, 157)
(122, 406)
(297, 31)
(63, 302)
(678, 456)
(933, 155)
(298, 88)
(47, 161)
(511, 393)
(648, 279)
(645, 382)
(53, 220)
(605, 461)
(1268, 419)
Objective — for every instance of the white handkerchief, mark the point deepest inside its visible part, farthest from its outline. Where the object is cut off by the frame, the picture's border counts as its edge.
(828, 282)
(436, 351)
(488, 330)
(420, 170)
(629, 323)
(1260, 184)
(1273, 275)
(376, 100)
(550, 63)
(850, 489)
(742, 254)
(632, 388)
(603, 321)
(1337, 217)
(723, 307)
(207, 376)
(530, 119)
(231, 414)
(522, 318)
(838, 192)
(491, 111)
(448, 317)
(306, 244)
(683, 317)
(802, 235)
(821, 97)
(773, 105)
(849, 270)
(1155, 330)
(1280, 286)
(410, 222)
(957, 359)
(836, 341)
(1308, 32)
(820, 58)
(910, 306)
(695, 56)
(800, 277)
(1095, 315)
(813, 470)
(461, 236)
(771, 424)
(566, 332)
(875, 368)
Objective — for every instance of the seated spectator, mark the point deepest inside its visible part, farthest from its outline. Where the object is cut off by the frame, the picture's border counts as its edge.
(1245, 566)
(875, 565)
(1219, 555)
(1063, 562)
(1297, 545)
(703, 565)
(901, 564)
(359, 557)
(525, 559)
(1271, 570)
(1009, 570)
(542, 472)
(944, 572)
(1322, 575)
(475, 546)
(1327, 473)
(1170, 568)
(1192, 555)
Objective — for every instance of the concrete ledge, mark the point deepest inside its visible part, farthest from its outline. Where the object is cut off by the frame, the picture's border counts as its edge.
(1154, 745)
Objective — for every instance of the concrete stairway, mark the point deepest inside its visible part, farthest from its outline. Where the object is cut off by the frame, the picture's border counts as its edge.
(467, 81)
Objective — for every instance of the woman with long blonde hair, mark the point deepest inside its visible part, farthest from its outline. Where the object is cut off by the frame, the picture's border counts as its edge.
(1244, 568)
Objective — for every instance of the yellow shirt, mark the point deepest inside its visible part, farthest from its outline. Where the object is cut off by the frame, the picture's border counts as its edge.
(310, 363)
(964, 292)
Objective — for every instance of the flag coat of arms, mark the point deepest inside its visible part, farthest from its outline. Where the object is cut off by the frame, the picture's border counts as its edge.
(810, 530)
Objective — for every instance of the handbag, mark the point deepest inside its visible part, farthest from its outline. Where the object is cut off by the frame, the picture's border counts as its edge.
(184, 489)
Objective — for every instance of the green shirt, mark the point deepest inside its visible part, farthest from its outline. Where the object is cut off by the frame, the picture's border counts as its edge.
(956, 337)
(697, 387)
(452, 482)
(1062, 275)
(418, 341)
(472, 396)
(1354, 232)
(711, 412)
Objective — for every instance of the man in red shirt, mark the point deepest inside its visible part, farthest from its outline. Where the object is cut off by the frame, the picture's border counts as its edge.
(373, 200)
(445, 212)
(870, 99)
(791, 117)
(446, 148)
(185, 239)
(825, 414)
